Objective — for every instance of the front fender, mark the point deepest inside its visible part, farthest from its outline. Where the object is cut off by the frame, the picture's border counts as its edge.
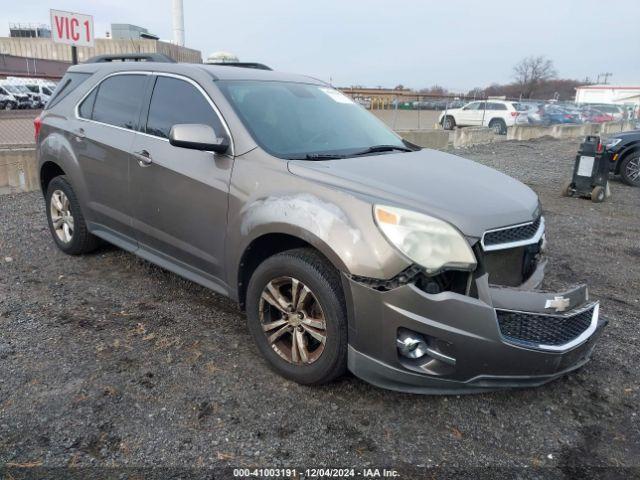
(339, 225)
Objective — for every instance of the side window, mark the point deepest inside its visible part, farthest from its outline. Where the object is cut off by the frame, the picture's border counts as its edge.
(118, 100)
(472, 106)
(86, 107)
(481, 106)
(46, 91)
(176, 101)
(497, 106)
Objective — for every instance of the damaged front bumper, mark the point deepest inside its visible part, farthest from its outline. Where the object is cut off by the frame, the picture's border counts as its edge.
(504, 338)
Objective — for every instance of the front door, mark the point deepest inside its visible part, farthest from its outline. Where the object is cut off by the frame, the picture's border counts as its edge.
(470, 115)
(179, 196)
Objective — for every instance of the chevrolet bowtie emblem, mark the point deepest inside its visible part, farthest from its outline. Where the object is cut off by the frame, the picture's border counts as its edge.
(559, 303)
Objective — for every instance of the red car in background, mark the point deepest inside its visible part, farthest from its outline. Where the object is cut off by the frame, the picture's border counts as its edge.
(592, 115)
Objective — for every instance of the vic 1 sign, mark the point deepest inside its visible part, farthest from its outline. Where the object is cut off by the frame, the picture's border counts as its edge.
(72, 28)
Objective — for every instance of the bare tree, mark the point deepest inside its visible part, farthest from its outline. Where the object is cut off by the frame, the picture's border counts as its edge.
(531, 71)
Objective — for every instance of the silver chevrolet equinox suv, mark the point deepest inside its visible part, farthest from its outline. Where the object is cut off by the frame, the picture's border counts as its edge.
(348, 247)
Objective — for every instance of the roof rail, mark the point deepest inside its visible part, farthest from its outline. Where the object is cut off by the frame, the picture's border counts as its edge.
(258, 66)
(131, 57)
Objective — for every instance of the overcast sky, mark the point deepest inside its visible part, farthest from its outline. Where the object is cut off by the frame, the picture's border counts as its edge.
(418, 43)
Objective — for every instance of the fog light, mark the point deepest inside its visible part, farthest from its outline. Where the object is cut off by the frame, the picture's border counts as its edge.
(411, 344)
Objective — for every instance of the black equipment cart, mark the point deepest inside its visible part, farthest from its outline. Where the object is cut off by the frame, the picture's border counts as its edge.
(590, 172)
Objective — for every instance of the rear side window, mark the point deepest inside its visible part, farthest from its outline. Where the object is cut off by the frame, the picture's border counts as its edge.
(86, 107)
(118, 100)
(68, 84)
(496, 106)
(176, 101)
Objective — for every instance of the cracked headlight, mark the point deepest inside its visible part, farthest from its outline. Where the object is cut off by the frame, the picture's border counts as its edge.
(427, 241)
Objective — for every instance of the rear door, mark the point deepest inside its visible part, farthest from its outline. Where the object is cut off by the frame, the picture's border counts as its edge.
(179, 196)
(104, 133)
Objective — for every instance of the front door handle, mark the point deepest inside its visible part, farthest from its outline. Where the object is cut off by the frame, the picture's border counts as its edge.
(143, 157)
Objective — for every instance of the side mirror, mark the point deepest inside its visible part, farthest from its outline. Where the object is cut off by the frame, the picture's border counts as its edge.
(197, 136)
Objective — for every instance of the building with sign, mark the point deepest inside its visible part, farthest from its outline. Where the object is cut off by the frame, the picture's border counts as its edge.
(44, 48)
(29, 30)
(126, 31)
(619, 94)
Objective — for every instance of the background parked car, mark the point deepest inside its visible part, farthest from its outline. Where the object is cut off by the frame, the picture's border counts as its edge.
(495, 114)
(553, 114)
(7, 100)
(592, 115)
(22, 99)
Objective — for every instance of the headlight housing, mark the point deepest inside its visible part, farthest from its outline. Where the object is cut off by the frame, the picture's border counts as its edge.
(612, 142)
(427, 241)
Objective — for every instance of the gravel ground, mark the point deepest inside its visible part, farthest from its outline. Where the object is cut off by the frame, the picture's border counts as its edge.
(108, 360)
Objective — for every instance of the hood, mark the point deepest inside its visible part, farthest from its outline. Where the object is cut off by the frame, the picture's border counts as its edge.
(472, 197)
(625, 136)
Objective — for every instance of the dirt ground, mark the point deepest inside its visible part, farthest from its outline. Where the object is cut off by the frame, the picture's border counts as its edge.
(107, 360)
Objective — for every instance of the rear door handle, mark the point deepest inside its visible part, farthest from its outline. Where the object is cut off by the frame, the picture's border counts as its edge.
(143, 157)
(79, 134)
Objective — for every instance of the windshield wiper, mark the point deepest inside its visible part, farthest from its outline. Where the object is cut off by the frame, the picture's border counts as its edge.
(324, 156)
(383, 148)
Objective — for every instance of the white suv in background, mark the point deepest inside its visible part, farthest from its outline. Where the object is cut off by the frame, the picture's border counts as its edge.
(495, 114)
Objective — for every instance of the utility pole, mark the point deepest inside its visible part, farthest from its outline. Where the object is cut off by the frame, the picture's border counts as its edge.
(606, 76)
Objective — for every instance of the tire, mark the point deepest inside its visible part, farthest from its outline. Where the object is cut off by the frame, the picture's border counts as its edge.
(313, 271)
(598, 194)
(630, 169)
(79, 240)
(498, 126)
(567, 189)
(9, 106)
(448, 123)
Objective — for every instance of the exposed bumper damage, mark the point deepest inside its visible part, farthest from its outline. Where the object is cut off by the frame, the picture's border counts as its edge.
(495, 337)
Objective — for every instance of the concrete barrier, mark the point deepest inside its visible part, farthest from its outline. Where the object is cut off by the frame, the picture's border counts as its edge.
(528, 132)
(437, 139)
(467, 136)
(567, 131)
(18, 170)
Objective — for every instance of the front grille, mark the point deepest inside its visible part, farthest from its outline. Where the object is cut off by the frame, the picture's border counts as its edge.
(510, 235)
(533, 329)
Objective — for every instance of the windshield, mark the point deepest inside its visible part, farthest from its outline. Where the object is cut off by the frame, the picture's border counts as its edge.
(295, 120)
(12, 88)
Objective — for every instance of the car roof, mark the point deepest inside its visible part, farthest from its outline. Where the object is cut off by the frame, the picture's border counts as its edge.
(217, 72)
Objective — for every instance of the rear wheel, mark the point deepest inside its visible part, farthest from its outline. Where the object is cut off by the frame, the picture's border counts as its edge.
(630, 169)
(66, 221)
(297, 317)
(598, 194)
(498, 126)
(448, 122)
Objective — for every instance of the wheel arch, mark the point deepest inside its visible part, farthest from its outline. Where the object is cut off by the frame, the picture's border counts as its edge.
(48, 171)
(629, 150)
(266, 245)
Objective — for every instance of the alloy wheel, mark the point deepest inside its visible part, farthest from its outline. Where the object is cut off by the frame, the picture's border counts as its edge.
(633, 170)
(292, 320)
(61, 217)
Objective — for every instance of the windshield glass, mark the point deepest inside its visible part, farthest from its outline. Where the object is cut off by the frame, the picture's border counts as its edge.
(295, 120)
(12, 88)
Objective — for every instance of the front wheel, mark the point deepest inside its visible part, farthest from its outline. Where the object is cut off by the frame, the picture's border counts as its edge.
(297, 317)
(630, 169)
(448, 122)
